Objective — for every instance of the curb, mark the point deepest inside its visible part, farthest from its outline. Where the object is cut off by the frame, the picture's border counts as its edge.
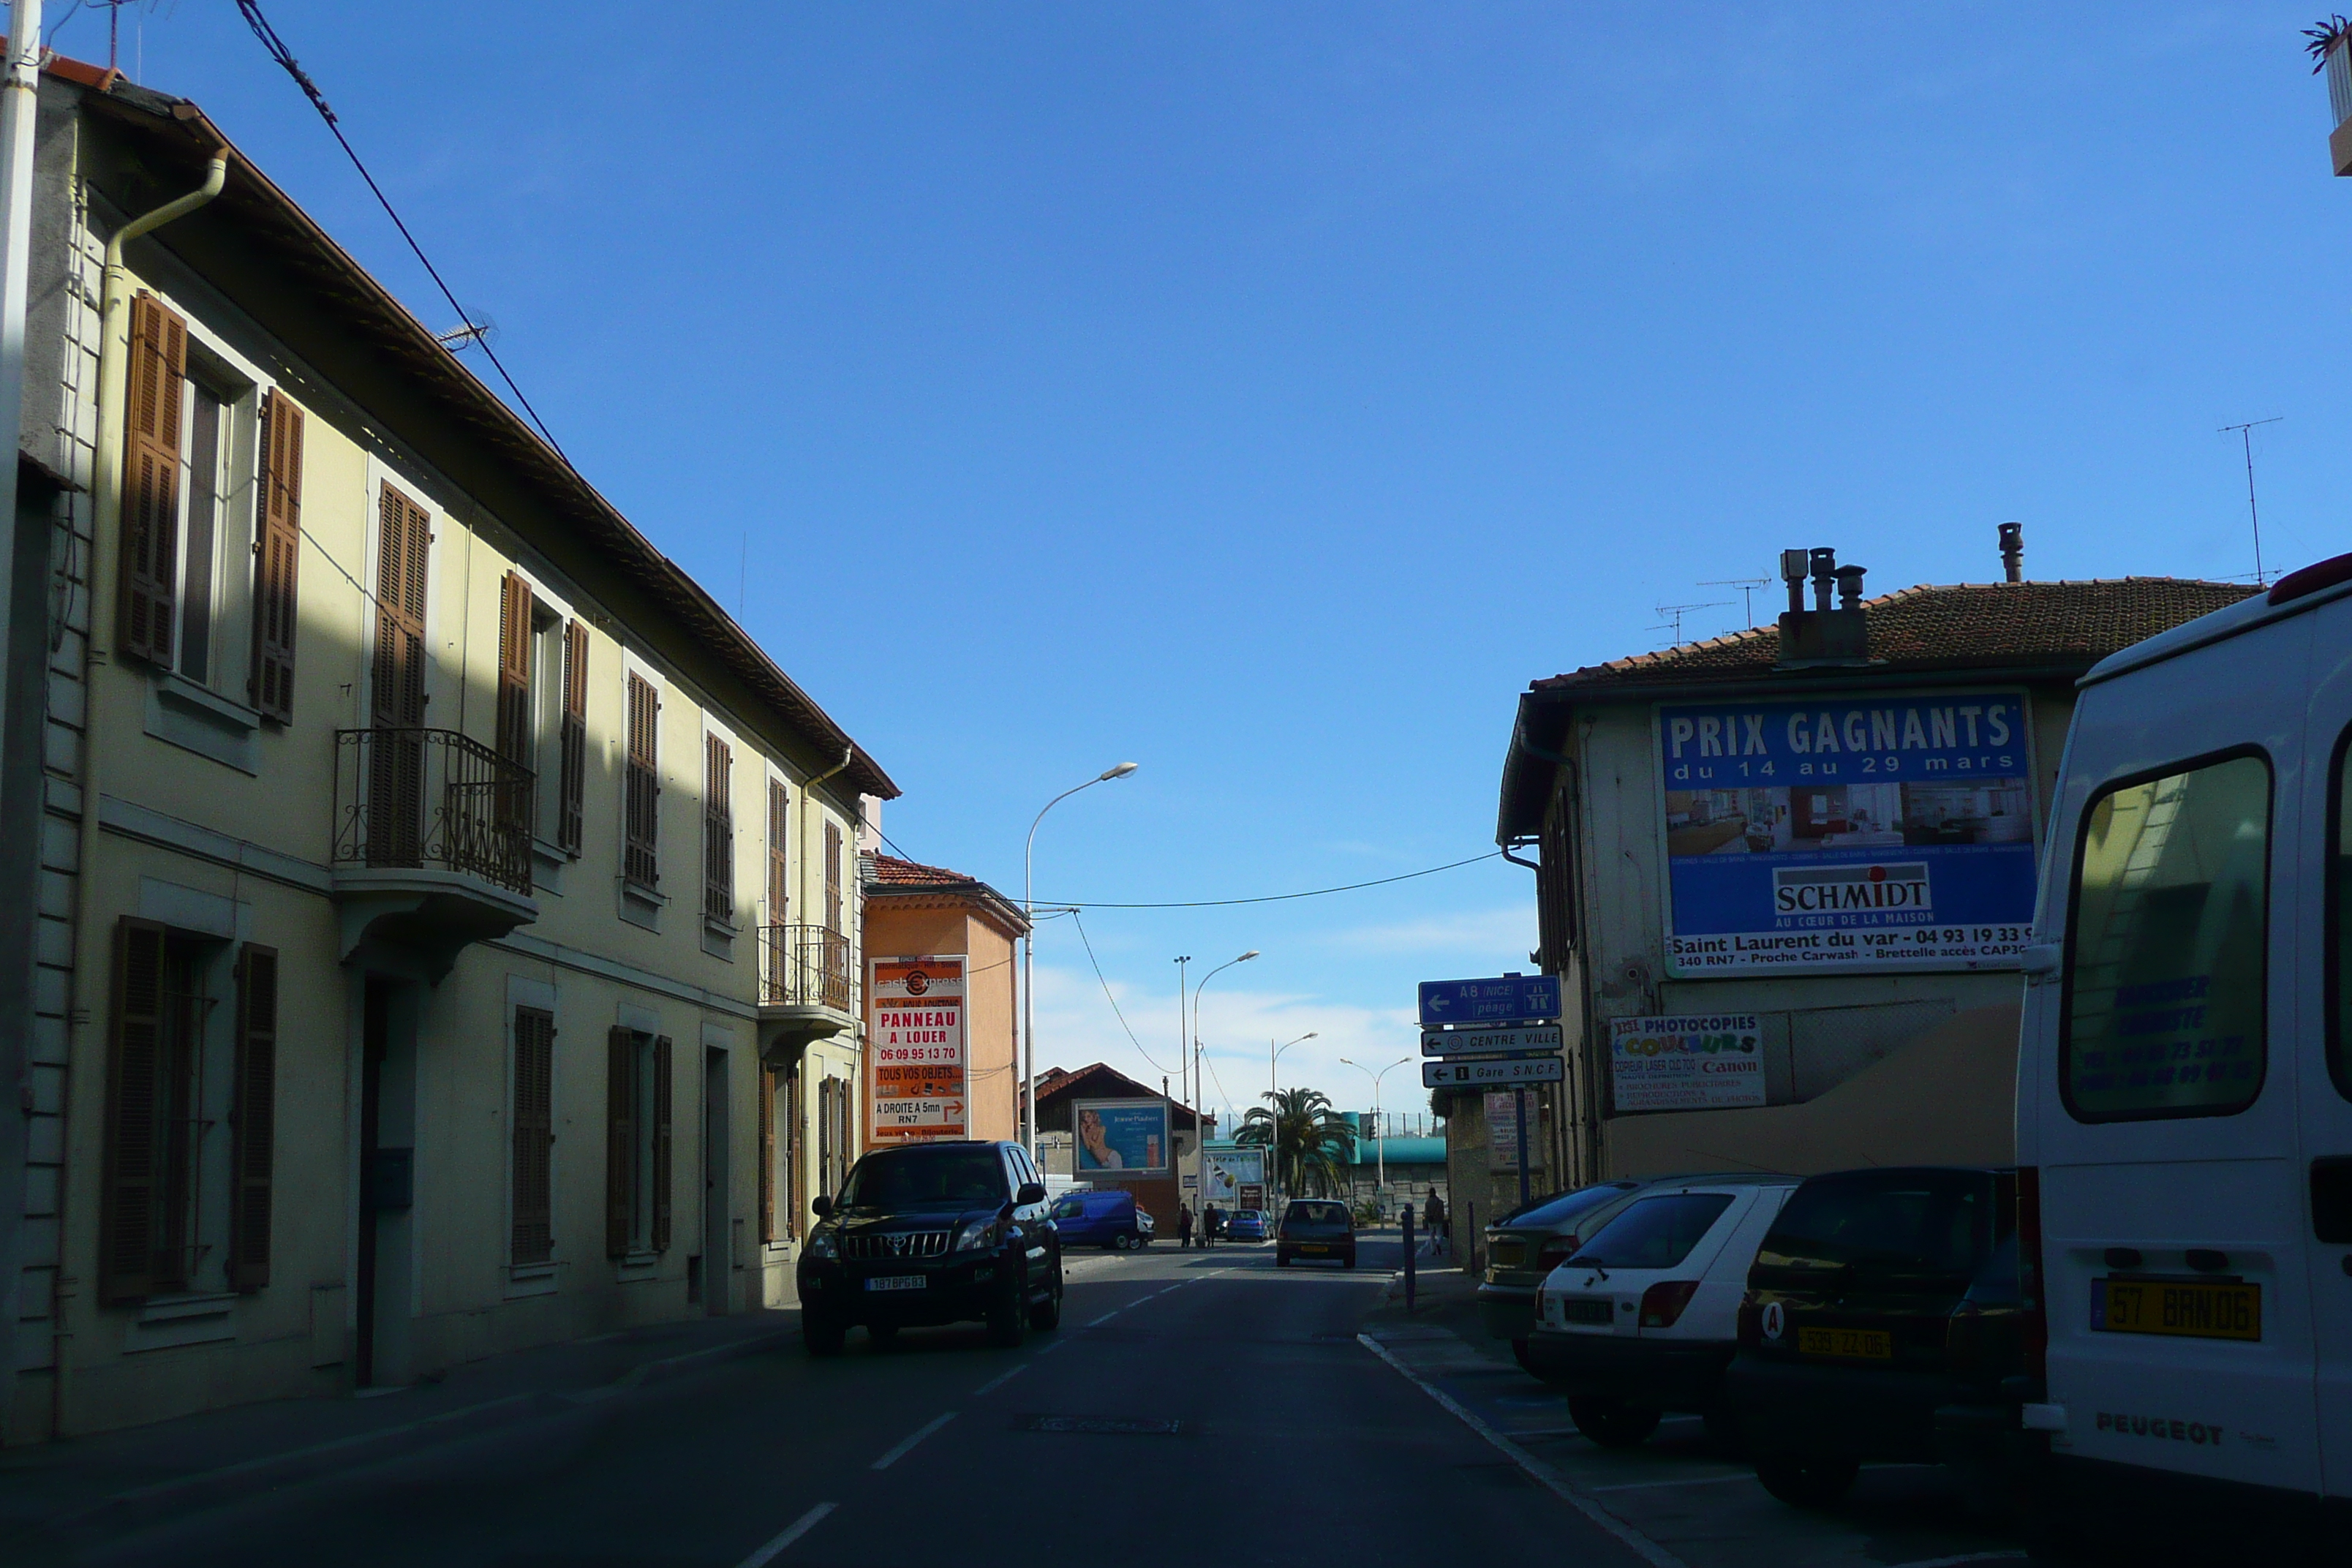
(232, 1482)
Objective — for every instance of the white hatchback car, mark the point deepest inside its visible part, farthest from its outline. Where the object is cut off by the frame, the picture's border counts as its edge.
(1645, 1318)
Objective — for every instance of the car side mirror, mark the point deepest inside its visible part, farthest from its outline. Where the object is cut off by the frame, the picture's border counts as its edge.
(1030, 1193)
(823, 1206)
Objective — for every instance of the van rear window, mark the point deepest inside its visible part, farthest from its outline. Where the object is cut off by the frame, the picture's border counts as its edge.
(2164, 1006)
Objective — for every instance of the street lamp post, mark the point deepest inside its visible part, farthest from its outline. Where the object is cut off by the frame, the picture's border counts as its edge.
(1380, 1144)
(1029, 955)
(1274, 1115)
(1199, 1153)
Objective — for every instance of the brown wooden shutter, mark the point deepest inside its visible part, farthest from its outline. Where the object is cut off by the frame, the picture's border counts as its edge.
(271, 688)
(779, 814)
(640, 859)
(253, 1149)
(620, 1137)
(514, 669)
(574, 763)
(150, 480)
(534, 1134)
(404, 540)
(126, 1261)
(767, 1153)
(718, 830)
(795, 1184)
(661, 1144)
(833, 877)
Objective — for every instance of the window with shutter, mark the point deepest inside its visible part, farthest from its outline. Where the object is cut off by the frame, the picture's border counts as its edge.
(278, 553)
(574, 736)
(396, 752)
(642, 807)
(534, 1135)
(833, 877)
(779, 813)
(767, 1153)
(620, 1139)
(151, 481)
(253, 1149)
(127, 1219)
(795, 1183)
(661, 1145)
(718, 831)
(514, 736)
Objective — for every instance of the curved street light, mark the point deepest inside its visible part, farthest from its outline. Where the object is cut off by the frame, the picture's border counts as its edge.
(1200, 1154)
(1380, 1144)
(1274, 1113)
(1029, 953)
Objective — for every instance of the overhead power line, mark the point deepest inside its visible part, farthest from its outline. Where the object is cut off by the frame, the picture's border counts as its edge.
(1109, 997)
(1275, 898)
(285, 57)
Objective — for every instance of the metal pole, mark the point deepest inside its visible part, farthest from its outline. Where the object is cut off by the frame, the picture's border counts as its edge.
(1029, 955)
(1408, 1257)
(1519, 1116)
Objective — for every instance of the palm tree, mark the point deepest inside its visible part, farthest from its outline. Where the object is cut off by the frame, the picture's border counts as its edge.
(1312, 1142)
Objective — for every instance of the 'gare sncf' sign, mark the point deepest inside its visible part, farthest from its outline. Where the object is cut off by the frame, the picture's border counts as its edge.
(1873, 832)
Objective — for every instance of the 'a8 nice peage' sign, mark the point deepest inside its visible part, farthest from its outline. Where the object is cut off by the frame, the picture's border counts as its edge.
(1854, 832)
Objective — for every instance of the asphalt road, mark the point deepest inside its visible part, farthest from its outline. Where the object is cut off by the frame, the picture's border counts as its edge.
(1193, 1408)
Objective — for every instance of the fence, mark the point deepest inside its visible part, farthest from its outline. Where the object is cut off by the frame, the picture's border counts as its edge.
(434, 799)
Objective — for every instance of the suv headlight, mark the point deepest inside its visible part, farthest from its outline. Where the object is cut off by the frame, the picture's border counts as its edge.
(819, 1244)
(977, 1236)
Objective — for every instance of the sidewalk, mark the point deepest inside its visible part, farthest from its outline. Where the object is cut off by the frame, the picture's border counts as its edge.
(143, 1472)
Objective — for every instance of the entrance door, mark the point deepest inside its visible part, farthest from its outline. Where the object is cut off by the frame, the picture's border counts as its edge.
(2326, 1065)
(718, 1248)
(374, 1030)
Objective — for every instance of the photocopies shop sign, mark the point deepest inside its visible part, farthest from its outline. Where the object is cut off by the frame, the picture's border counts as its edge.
(1697, 1063)
(1861, 833)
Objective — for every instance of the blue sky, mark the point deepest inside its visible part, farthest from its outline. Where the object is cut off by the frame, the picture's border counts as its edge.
(1266, 392)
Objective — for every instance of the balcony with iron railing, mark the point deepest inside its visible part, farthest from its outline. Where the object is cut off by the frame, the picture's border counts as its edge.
(432, 843)
(806, 976)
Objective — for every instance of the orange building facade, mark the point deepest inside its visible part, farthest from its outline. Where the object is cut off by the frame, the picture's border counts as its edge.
(914, 910)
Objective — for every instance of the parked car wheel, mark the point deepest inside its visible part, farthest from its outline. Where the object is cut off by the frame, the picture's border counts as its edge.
(1122, 1241)
(1281, 1258)
(1047, 1314)
(1008, 1315)
(1806, 1481)
(882, 1333)
(1613, 1422)
(1525, 1357)
(820, 1334)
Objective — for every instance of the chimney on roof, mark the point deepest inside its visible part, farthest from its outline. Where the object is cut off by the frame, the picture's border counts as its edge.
(1823, 635)
(2012, 551)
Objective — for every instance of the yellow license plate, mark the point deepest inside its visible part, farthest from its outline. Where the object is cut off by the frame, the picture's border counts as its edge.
(1507, 1254)
(1313, 1246)
(2188, 1309)
(1847, 1344)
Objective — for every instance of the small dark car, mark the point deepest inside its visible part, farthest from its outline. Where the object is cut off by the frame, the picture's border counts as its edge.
(932, 1233)
(1245, 1224)
(1883, 1321)
(1315, 1227)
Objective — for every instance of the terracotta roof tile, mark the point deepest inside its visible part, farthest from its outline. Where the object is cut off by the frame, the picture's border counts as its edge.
(1953, 627)
(892, 872)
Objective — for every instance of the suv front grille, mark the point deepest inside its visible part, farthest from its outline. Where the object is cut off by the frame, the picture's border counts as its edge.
(896, 1244)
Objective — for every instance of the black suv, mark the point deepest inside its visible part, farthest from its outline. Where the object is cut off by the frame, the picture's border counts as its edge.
(932, 1233)
(1884, 1322)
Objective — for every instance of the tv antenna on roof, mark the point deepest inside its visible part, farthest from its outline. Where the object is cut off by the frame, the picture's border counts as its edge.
(1746, 586)
(477, 330)
(2246, 435)
(1674, 614)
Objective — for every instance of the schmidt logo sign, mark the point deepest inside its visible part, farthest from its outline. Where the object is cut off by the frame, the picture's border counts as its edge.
(1835, 890)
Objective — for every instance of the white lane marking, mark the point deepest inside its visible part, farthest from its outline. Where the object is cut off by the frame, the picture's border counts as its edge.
(1676, 1482)
(899, 1452)
(793, 1531)
(1641, 1546)
(1000, 1380)
(1105, 1318)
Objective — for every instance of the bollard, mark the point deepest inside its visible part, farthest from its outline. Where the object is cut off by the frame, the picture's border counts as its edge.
(1408, 1257)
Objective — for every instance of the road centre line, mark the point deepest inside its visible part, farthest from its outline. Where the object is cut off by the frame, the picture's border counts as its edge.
(900, 1452)
(1679, 1481)
(1000, 1380)
(1641, 1546)
(793, 1531)
(1105, 1318)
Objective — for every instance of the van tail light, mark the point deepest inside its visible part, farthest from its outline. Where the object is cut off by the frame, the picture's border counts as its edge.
(1663, 1303)
(1555, 1252)
(2033, 1324)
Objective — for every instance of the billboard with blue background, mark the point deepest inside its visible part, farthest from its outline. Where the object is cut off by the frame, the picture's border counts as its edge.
(1128, 1135)
(1871, 832)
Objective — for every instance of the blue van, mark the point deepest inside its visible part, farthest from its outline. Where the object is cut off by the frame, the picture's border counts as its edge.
(1106, 1218)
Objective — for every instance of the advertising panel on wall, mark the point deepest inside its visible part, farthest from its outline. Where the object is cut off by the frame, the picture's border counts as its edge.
(1130, 1136)
(1229, 1170)
(1697, 1063)
(915, 1063)
(1856, 833)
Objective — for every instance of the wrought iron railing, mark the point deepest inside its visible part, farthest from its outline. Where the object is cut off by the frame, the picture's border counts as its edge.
(805, 966)
(433, 798)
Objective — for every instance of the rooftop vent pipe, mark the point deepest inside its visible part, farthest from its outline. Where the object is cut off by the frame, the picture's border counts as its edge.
(2012, 551)
(1836, 630)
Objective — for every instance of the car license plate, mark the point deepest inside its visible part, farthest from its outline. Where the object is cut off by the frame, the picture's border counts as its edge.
(1507, 1254)
(2189, 1309)
(897, 1282)
(1847, 1344)
(1313, 1246)
(1587, 1309)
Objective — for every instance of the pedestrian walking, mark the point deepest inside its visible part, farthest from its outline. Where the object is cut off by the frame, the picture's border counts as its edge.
(1184, 1225)
(1434, 1216)
(1208, 1225)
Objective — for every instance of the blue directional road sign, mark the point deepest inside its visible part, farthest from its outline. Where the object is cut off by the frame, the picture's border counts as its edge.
(1505, 999)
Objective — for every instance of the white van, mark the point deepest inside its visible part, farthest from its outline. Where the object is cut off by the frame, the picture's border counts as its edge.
(2184, 1107)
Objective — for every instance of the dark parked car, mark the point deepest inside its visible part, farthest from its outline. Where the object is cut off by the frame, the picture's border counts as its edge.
(932, 1233)
(1105, 1219)
(1315, 1227)
(1528, 1243)
(1883, 1322)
